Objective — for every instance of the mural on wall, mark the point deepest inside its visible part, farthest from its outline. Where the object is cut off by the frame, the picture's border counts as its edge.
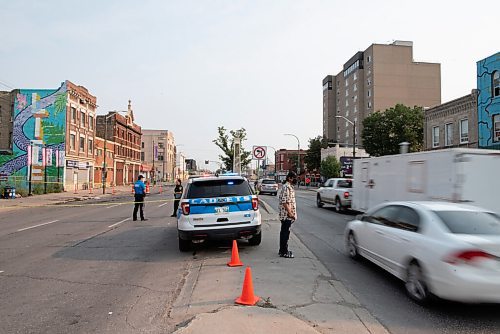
(39, 130)
(488, 104)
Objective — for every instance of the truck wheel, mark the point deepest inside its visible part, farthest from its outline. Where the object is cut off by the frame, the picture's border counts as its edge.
(338, 205)
(184, 245)
(319, 204)
(256, 239)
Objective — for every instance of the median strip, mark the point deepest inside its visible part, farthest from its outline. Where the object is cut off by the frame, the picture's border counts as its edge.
(28, 228)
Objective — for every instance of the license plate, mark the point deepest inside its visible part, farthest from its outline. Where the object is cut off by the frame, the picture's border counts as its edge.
(221, 209)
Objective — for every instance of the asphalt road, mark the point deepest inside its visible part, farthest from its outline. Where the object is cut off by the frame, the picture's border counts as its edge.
(321, 230)
(89, 269)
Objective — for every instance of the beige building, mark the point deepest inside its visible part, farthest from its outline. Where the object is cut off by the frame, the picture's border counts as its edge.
(374, 80)
(6, 121)
(158, 150)
(452, 124)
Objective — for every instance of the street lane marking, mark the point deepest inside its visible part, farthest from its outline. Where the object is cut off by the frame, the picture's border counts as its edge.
(112, 206)
(123, 221)
(1, 271)
(27, 228)
(162, 204)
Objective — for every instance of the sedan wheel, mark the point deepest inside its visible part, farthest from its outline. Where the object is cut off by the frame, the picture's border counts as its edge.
(352, 246)
(415, 284)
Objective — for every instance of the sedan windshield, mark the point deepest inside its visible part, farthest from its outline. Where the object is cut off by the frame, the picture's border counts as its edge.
(470, 222)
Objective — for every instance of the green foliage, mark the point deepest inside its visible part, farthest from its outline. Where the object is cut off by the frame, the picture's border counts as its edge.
(53, 134)
(384, 131)
(330, 167)
(60, 103)
(225, 143)
(313, 156)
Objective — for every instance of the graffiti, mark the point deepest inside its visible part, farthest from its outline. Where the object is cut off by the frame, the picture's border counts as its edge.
(39, 121)
(488, 105)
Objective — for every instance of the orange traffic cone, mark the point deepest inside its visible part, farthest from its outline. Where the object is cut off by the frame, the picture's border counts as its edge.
(132, 192)
(160, 188)
(247, 297)
(147, 188)
(235, 256)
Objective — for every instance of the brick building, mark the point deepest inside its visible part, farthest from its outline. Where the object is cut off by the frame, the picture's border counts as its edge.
(6, 121)
(126, 136)
(100, 162)
(452, 124)
(80, 137)
(286, 160)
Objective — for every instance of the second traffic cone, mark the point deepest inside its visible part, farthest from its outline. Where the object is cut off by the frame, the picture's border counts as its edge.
(247, 297)
(235, 256)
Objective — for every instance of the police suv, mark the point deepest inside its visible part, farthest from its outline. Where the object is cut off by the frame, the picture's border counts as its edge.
(218, 207)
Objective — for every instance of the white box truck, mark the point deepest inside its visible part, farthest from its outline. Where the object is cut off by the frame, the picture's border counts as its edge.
(462, 175)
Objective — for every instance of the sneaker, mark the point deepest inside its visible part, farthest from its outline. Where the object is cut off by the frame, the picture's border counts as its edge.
(288, 255)
(144, 219)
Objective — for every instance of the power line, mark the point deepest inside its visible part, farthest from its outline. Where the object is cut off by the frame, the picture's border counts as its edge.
(6, 85)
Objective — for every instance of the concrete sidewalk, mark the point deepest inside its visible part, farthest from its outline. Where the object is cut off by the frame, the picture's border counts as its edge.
(297, 295)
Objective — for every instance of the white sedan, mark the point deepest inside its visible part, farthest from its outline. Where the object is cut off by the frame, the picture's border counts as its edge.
(441, 249)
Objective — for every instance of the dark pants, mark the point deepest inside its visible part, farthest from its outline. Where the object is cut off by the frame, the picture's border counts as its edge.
(176, 206)
(139, 204)
(284, 235)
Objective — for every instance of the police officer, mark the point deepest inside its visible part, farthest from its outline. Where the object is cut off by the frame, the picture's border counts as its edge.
(139, 194)
(177, 196)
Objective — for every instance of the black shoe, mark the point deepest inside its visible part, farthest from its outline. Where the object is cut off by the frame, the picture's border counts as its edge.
(144, 219)
(288, 255)
(134, 220)
(173, 215)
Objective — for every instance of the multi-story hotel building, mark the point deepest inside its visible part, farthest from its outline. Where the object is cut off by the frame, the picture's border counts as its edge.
(374, 80)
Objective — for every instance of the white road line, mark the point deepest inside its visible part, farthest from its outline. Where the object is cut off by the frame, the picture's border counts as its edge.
(123, 221)
(112, 206)
(27, 228)
(162, 204)
(1, 271)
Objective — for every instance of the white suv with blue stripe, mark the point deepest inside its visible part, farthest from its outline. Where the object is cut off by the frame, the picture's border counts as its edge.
(217, 208)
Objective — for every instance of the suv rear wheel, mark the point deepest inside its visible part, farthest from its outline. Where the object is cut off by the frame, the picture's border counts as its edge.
(319, 204)
(184, 245)
(256, 239)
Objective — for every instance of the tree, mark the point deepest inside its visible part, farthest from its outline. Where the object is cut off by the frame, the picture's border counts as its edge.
(330, 167)
(384, 131)
(225, 143)
(313, 156)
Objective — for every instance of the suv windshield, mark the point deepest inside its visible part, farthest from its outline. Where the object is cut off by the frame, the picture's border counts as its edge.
(268, 182)
(470, 222)
(219, 188)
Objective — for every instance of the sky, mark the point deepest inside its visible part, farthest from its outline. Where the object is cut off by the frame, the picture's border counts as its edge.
(192, 66)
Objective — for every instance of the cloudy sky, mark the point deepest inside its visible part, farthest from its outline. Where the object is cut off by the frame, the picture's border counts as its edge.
(191, 66)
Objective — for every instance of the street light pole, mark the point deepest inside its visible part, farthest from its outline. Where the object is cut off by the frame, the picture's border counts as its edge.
(298, 151)
(353, 135)
(274, 161)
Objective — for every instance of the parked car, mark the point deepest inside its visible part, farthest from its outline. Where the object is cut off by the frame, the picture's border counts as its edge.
(222, 207)
(336, 191)
(268, 186)
(441, 249)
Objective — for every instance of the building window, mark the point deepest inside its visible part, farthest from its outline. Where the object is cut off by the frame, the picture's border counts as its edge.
(464, 131)
(72, 142)
(369, 81)
(142, 144)
(435, 136)
(91, 123)
(368, 59)
(369, 92)
(355, 76)
(369, 104)
(73, 115)
(346, 112)
(347, 103)
(82, 144)
(346, 82)
(496, 83)
(355, 109)
(347, 92)
(142, 156)
(82, 118)
(448, 134)
(355, 87)
(91, 146)
(496, 128)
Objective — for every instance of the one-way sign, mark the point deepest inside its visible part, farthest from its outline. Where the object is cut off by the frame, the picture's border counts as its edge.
(259, 152)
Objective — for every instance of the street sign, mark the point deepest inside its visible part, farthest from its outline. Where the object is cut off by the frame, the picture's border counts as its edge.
(259, 152)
